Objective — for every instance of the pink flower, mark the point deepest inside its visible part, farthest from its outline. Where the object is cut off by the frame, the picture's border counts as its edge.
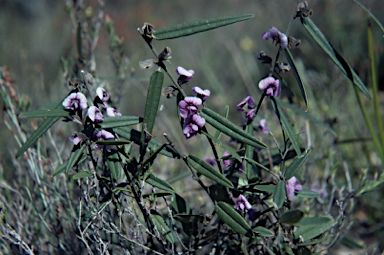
(242, 203)
(111, 112)
(292, 186)
(271, 85)
(226, 162)
(203, 94)
(184, 75)
(192, 125)
(75, 139)
(75, 101)
(94, 114)
(212, 162)
(263, 127)
(189, 106)
(102, 94)
(247, 103)
(104, 135)
(277, 36)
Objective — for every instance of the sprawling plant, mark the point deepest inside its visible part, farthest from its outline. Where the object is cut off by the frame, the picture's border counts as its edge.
(254, 200)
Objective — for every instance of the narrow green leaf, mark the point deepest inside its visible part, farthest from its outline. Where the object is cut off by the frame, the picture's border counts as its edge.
(310, 227)
(197, 26)
(291, 217)
(179, 205)
(263, 231)
(63, 166)
(320, 39)
(370, 14)
(292, 63)
(113, 142)
(375, 86)
(56, 112)
(82, 174)
(249, 152)
(288, 129)
(227, 148)
(76, 154)
(134, 136)
(306, 115)
(266, 188)
(120, 121)
(122, 189)
(157, 194)
(189, 218)
(153, 99)
(279, 195)
(161, 226)
(230, 129)
(159, 183)
(47, 123)
(113, 164)
(232, 218)
(296, 165)
(307, 193)
(316, 241)
(208, 171)
(225, 115)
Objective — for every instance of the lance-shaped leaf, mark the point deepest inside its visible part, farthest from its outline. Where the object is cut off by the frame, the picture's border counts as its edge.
(161, 226)
(198, 26)
(63, 166)
(263, 231)
(113, 164)
(232, 218)
(291, 61)
(225, 115)
(56, 112)
(307, 193)
(76, 154)
(370, 14)
(119, 121)
(82, 174)
(295, 165)
(134, 136)
(279, 195)
(159, 183)
(291, 217)
(157, 194)
(208, 171)
(113, 142)
(153, 99)
(230, 129)
(287, 127)
(306, 115)
(47, 123)
(310, 227)
(316, 241)
(266, 188)
(320, 39)
(249, 152)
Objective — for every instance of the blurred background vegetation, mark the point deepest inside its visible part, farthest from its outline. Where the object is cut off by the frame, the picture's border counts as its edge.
(36, 34)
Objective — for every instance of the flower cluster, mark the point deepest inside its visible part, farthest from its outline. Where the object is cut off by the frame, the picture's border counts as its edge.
(189, 106)
(77, 102)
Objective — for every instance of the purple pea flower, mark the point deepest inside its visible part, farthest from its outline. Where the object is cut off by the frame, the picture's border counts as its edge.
(189, 106)
(111, 112)
(102, 94)
(94, 114)
(203, 94)
(242, 203)
(277, 36)
(104, 135)
(226, 162)
(192, 125)
(263, 127)
(210, 161)
(75, 101)
(292, 186)
(75, 139)
(250, 114)
(184, 75)
(272, 86)
(246, 104)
